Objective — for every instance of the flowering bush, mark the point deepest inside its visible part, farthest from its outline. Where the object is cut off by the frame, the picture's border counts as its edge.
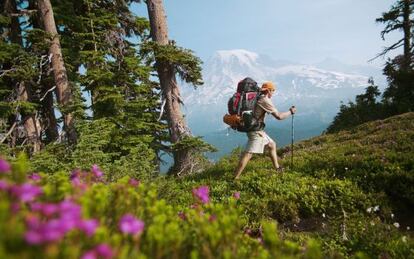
(80, 215)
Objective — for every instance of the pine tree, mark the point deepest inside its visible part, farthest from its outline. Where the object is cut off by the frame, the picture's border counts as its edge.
(399, 94)
(170, 60)
(398, 18)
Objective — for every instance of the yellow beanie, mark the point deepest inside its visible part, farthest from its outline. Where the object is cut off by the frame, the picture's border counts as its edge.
(268, 86)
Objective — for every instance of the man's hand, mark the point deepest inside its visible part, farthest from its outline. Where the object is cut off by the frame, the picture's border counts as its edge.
(292, 110)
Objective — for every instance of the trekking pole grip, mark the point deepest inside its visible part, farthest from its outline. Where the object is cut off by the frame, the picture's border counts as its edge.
(291, 109)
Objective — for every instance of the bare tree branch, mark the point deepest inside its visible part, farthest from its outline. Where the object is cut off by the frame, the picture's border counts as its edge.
(48, 91)
(391, 27)
(386, 50)
(42, 63)
(4, 72)
(23, 12)
(9, 132)
(164, 101)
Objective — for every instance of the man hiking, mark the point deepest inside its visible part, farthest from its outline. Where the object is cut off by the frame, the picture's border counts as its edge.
(259, 140)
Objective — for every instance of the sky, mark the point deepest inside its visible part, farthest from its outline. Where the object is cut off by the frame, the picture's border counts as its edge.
(305, 31)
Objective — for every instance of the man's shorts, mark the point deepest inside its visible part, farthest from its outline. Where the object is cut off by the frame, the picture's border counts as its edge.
(257, 142)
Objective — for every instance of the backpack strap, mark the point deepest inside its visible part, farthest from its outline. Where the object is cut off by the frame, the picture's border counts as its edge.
(240, 103)
(261, 125)
(259, 95)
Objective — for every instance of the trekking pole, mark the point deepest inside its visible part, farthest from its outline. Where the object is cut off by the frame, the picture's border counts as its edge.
(291, 144)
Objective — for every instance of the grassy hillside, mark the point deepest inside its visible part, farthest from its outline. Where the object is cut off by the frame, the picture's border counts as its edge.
(349, 195)
(378, 156)
(344, 186)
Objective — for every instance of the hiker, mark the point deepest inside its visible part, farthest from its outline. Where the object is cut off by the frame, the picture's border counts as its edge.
(258, 140)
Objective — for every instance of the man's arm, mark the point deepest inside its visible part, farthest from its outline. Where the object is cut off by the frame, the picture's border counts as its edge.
(267, 105)
(284, 115)
(280, 115)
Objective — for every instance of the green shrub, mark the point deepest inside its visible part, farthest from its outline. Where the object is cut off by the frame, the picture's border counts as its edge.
(57, 216)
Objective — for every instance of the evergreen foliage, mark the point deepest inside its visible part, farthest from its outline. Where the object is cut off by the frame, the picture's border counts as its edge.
(110, 63)
(184, 62)
(399, 95)
(366, 108)
(103, 60)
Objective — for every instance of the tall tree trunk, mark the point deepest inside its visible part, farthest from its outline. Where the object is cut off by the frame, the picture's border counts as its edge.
(30, 122)
(48, 110)
(63, 90)
(49, 122)
(171, 93)
(407, 34)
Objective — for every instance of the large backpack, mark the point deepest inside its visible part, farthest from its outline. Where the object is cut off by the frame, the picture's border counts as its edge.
(241, 107)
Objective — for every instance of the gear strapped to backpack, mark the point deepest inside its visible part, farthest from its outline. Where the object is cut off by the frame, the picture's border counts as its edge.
(241, 107)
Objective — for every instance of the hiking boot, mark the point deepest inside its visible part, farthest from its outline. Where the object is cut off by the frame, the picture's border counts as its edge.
(280, 169)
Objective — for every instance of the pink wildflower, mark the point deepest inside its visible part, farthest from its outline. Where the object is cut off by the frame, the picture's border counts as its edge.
(88, 226)
(67, 216)
(100, 251)
(15, 207)
(133, 182)
(75, 174)
(91, 254)
(236, 195)
(104, 251)
(32, 221)
(54, 230)
(4, 186)
(47, 209)
(182, 215)
(34, 176)
(96, 171)
(131, 225)
(201, 193)
(4, 166)
(69, 209)
(44, 232)
(212, 218)
(26, 192)
(248, 231)
(33, 237)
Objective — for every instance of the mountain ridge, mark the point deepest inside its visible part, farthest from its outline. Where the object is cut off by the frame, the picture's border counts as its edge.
(225, 68)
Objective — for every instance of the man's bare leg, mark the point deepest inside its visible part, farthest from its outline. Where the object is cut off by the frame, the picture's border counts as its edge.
(245, 157)
(273, 155)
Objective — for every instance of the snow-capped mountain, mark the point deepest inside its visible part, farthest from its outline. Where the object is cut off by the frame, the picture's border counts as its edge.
(226, 68)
